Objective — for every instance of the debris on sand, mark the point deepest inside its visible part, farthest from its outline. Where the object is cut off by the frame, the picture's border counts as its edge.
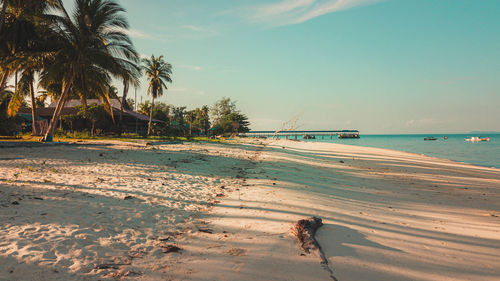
(170, 248)
(305, 230)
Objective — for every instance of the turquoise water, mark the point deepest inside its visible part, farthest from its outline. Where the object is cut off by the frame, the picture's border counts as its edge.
(454, 148)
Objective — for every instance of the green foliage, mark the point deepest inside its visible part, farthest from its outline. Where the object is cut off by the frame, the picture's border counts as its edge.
(94, 113)
(199, 120)
(158, 72)
(228, 119)
(129, 104)
(222, 108)
(9, 125)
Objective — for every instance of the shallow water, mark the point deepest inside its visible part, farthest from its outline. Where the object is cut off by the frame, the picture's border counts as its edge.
(454, 148)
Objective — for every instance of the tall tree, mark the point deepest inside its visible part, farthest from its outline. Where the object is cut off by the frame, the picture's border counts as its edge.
(132, 79)
(93, 47)
(158, 73)
(25, 37)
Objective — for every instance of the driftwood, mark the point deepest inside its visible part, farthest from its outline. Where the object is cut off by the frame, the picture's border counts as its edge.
(305, 230)
(290, 125)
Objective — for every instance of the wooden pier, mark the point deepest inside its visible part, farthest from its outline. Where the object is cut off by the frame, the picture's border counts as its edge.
(296, 134)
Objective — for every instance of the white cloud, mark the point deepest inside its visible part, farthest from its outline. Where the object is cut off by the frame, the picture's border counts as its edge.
(139, 34)
(420, 122)
(191, 67)
(288, 12)
(194, 28)
(283, 7)
(136, 33)
(201, 30)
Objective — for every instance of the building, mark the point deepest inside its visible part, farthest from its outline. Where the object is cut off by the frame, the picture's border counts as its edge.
(133, 122)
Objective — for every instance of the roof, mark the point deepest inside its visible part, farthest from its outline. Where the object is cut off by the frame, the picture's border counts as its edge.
(76, 102)
(69, 108)
(47, 112)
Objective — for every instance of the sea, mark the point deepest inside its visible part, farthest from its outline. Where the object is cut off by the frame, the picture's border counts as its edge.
(485, 153)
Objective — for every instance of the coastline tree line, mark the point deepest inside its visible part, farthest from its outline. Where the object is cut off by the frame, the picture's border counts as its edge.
(77, 56)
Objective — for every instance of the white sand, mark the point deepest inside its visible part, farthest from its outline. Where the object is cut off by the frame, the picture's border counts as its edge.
(388, 215)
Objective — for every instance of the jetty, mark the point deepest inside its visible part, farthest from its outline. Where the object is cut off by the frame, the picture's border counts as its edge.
(296, 134)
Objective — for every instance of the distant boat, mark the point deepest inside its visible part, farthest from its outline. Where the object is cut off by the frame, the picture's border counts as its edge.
(430, 138)
(348, 136)
(476, 139)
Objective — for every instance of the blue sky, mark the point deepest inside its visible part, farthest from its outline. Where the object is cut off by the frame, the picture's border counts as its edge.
(393, 66)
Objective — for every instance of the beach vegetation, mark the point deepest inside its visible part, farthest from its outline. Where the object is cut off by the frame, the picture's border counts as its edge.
(158, 73)
(77, 55)
(228, 119)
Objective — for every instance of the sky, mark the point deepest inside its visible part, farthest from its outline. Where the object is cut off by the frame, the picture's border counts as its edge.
(379, 66)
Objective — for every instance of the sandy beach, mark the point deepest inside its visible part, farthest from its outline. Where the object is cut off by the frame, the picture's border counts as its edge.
(206, 211)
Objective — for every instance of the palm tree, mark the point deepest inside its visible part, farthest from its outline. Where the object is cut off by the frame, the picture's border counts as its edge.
(128, 80)
(92, 48)
(158, 72)
(24, 34)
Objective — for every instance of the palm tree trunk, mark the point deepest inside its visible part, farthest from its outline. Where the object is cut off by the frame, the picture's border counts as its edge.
(15, 82)
(124, 100)
(5, 76)
(151, 114)
(2, 16)
(34, 131)
(57, 111)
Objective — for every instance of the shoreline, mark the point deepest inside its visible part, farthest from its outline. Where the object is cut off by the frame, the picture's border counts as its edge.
(430, 154)
(111, 210)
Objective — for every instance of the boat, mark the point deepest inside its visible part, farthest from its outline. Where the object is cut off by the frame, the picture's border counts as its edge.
(348, 136)
(430, 138)
(309, 137)
(477, 139)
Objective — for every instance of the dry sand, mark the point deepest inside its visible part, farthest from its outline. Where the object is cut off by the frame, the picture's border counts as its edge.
(114, 211)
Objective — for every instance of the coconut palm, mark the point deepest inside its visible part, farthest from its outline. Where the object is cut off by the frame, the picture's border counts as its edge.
(158, 73)
(92, 48)
(24, 43)
(132, 79)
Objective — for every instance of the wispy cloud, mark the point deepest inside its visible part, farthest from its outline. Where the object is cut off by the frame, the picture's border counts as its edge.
(421, 122)
(201, 30)
(194, 28)
(139, 34)
(136, 33)
(288, 12)
(191, 67)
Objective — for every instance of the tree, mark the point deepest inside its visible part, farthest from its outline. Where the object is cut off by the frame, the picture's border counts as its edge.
(158, 73)
(92, 47)
(94, 113)
(24, 38)
(10, 125)
(228, 119)
(129, 104)
(200, 121)
(129, 78)
(144, 108)
(222, 108)
(25, 87)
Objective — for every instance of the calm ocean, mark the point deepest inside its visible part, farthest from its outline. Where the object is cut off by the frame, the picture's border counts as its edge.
(454, 148)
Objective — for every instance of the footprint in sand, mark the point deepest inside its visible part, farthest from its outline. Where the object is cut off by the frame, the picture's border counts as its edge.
(236, 252)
